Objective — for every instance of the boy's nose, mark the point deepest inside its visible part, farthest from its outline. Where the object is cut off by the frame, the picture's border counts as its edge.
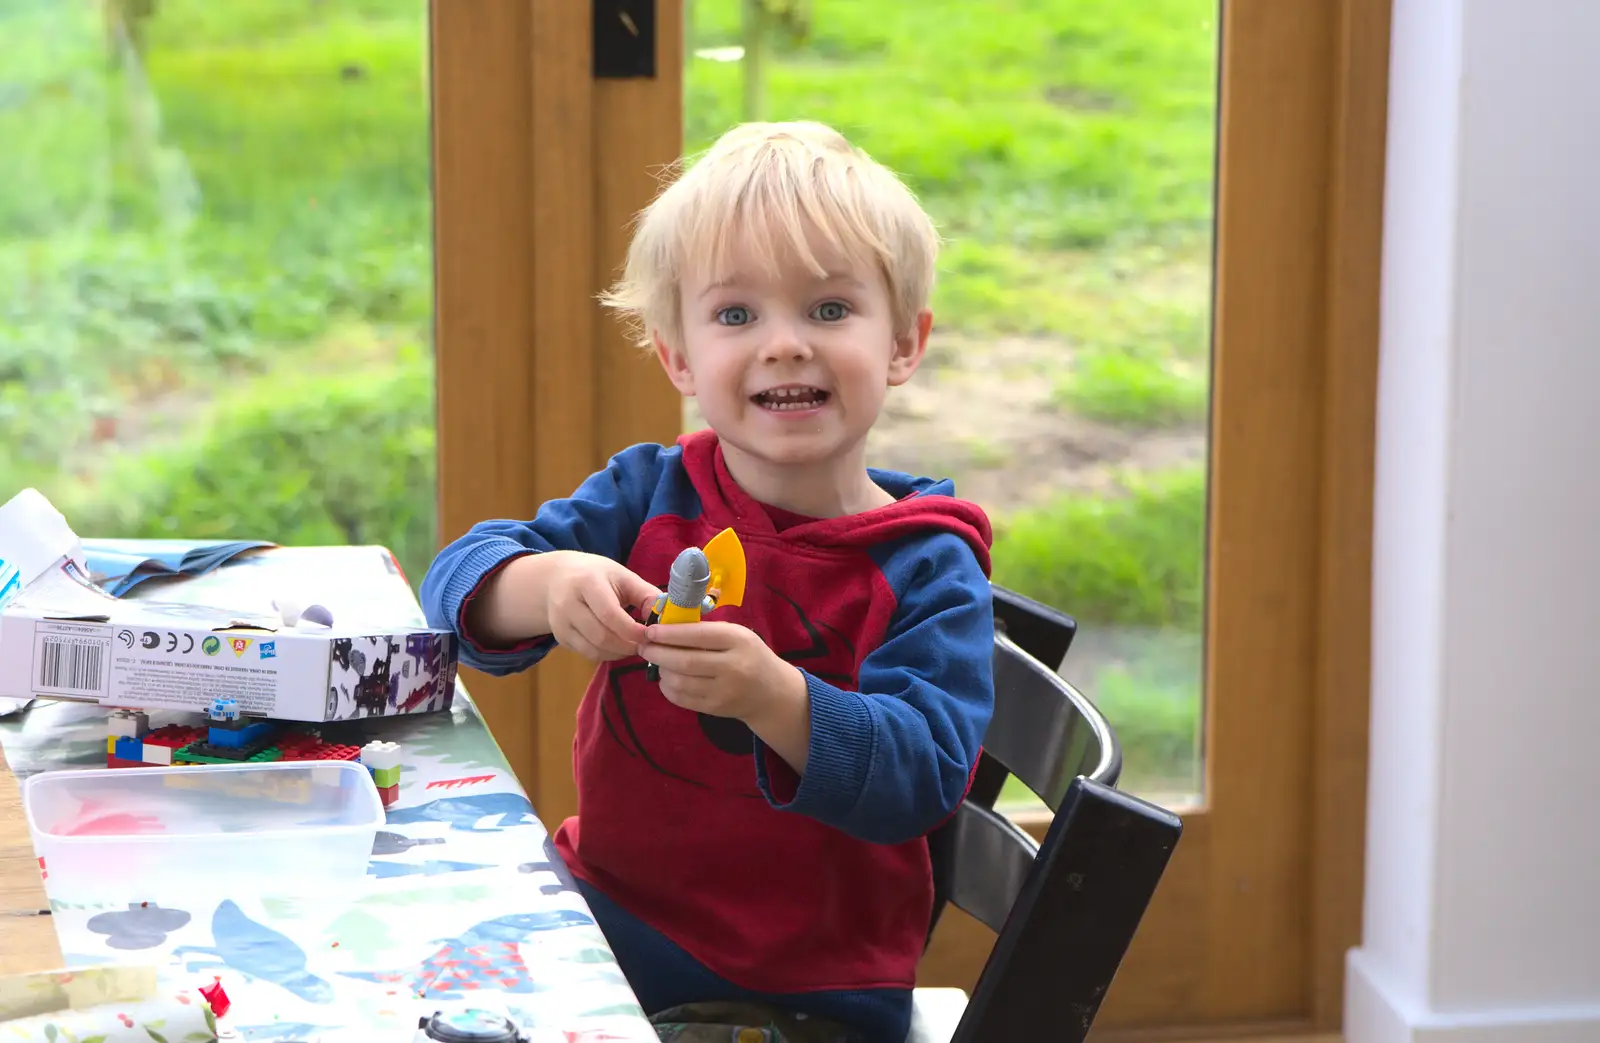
(785, 345)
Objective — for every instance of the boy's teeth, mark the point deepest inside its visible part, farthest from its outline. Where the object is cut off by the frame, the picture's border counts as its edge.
(790, 398)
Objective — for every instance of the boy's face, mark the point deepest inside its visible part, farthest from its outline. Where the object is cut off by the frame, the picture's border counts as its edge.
(790, 368)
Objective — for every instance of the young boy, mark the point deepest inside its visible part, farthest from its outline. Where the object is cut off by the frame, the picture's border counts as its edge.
(752, 828)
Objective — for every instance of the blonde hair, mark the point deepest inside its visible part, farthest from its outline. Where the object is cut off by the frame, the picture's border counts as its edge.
(775, 187)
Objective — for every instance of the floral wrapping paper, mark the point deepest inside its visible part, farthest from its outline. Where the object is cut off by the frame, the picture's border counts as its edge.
(24, 995)
(182, 1017)
(101, 1005)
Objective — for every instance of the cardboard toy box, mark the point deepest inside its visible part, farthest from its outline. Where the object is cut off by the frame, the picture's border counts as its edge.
(179, 644)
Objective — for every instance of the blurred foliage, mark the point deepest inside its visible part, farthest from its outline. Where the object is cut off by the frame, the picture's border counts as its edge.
(302, 459)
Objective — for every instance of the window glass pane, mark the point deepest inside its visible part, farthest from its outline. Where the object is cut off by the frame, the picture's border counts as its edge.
(1066, 148)
(215, 268)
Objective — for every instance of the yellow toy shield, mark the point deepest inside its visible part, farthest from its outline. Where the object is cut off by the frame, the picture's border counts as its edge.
(725, 555)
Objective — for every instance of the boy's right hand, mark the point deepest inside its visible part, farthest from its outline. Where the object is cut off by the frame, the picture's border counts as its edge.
(588, 600)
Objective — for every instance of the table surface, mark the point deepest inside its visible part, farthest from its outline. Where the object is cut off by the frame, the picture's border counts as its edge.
(465, 903)
(27, 940)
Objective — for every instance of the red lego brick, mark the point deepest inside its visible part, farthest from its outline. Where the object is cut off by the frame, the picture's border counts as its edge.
(310, 748)
(175, 736)
(118, 762)
(388, 795)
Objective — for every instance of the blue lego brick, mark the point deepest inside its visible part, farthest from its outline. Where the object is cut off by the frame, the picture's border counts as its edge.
(249, 735)
(129, 748)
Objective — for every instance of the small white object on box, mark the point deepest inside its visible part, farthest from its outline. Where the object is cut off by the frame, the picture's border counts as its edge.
(171, 648)
(170, 833)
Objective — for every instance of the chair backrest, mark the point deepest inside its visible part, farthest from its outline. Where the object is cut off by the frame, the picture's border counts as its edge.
(1043, 730)
(1046, 734)
(1077, 912)
(1064, 911)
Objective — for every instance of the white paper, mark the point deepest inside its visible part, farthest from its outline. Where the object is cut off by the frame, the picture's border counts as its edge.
(34, 536)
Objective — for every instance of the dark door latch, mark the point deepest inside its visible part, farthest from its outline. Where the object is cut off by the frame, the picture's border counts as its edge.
(624, 39)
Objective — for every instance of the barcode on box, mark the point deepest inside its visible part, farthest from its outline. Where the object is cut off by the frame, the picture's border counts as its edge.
(70, 665)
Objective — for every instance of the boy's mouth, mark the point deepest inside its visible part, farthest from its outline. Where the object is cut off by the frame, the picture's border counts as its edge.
(790, 397)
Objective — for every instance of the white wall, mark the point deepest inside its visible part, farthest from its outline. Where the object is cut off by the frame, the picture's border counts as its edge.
(1483, 850)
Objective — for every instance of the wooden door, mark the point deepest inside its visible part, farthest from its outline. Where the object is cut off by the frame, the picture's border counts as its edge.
(539, 166)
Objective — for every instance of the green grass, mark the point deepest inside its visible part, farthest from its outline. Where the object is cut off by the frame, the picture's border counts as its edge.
(1133, 389)
(1043, 124)
(1131, 559)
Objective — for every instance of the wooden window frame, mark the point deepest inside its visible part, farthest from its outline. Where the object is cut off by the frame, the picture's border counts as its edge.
(538, 171)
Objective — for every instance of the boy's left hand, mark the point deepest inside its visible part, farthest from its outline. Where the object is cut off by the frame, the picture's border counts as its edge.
(722, 669)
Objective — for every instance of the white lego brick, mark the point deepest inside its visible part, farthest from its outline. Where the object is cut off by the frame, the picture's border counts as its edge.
(129, 723)
(378, 755)
(154, 754)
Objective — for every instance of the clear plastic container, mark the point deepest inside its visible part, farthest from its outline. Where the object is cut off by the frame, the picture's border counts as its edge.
(163, 834)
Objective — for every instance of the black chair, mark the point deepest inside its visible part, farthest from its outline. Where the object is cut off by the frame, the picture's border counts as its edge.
(1064, 912)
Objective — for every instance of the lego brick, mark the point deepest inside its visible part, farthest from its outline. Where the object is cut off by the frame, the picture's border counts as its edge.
(206, 753)
(174, 736)
(389, 795)
(386, 776)
(118, 762)
(378, 755)
(301, 748)
(128, 748)
(128, 722)
(240, 734)
(111, 744)
(154, 753)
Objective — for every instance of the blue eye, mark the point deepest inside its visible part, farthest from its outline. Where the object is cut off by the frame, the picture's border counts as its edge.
(737, 315)
(832, 311)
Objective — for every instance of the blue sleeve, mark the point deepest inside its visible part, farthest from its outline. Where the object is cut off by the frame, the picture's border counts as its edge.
(602, 517)
(890, 762)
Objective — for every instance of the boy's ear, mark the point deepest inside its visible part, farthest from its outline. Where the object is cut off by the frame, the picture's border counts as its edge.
(676, 363)
(909, 349)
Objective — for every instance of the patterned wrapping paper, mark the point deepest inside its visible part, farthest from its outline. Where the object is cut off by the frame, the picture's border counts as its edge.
(180, 1018)
(24, 995)
(465, 903)
(105, 1004)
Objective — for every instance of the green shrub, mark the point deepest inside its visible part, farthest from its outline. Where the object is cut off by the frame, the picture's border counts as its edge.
(1135, 559)
(301, 460)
